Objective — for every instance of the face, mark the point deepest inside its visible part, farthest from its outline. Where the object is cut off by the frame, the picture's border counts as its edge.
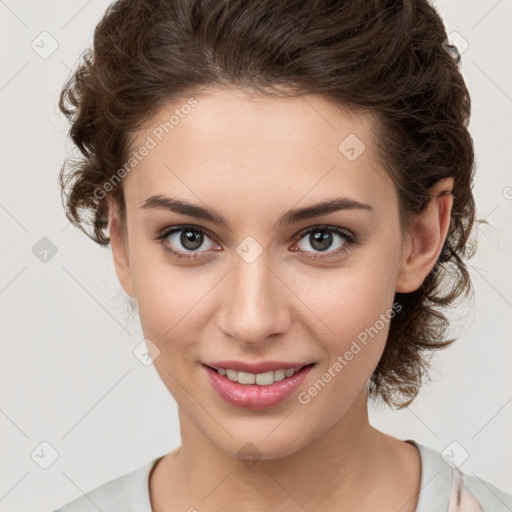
(264, 284)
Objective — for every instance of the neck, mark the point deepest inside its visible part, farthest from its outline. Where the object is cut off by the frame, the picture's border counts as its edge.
(345, 463)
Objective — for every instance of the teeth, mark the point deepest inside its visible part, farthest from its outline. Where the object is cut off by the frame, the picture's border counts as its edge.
(261, 379)
(279, 375)
(246, 378)
(232, 375)
(264, 379)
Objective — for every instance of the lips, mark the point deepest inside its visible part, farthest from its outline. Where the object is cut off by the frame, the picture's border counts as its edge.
(254, 396)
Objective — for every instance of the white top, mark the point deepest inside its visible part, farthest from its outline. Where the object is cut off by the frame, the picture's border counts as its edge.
(443, 488)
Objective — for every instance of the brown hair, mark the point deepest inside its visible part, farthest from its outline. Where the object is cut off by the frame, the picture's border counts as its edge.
(387, 57)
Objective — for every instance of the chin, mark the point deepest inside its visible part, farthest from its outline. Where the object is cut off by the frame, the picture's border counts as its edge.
(252, 449)
(264, 440)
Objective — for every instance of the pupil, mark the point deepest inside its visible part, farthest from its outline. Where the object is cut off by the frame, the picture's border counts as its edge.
(191, 240)
(321, 240)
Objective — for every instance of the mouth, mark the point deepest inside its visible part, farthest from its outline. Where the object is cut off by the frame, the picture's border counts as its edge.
(265, 378)
(256, 390)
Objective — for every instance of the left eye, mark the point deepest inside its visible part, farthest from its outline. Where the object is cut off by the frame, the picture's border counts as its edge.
(321, 239)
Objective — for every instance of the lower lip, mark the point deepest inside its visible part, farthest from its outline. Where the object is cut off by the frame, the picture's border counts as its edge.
(252, 396)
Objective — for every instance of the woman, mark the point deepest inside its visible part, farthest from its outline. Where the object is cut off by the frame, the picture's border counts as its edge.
(286, 187)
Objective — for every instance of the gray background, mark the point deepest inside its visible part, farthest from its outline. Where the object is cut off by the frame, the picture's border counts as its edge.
(69, 377)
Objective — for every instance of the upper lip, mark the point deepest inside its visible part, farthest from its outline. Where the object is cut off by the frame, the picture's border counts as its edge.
(261, 367)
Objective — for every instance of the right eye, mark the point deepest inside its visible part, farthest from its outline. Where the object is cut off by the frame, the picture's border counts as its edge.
(183, 241)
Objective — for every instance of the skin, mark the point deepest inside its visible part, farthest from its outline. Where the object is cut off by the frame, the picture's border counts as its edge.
(252, 159)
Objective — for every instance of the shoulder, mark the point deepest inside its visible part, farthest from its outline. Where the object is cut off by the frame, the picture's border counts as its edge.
(472, 493)
(126, 493)
(444, 486)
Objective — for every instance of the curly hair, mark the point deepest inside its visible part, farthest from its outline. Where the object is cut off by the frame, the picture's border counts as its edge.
(391, 58)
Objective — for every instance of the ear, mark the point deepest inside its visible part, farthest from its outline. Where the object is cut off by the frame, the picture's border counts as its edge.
(425, 238)
(119, 245)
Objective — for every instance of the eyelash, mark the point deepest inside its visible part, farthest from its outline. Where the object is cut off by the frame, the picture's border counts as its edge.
(349, 241)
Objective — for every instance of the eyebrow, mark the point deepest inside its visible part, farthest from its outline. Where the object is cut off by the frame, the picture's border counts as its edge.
(323, 208)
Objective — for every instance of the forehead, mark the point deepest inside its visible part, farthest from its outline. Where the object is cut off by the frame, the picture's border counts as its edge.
(225, 144)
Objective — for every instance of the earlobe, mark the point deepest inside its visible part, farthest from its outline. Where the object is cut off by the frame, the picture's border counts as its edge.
(120, 252)
(425, 238)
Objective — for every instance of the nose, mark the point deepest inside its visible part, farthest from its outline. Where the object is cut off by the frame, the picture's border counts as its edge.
(255, 303)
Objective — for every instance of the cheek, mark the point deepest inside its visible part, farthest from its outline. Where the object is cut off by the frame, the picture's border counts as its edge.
(358, 311)
(352, 297)
(170, 301)
(356, 304)
(359, 318)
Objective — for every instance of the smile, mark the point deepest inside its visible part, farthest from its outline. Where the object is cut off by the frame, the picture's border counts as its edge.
(260, 379)
(256, 390)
